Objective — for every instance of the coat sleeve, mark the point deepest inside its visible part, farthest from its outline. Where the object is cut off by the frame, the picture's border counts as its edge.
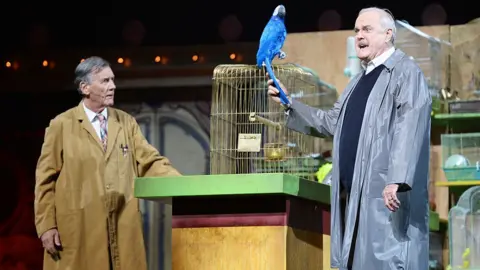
(311, 121)
(411, 139)
(48, 168)
(149, 161)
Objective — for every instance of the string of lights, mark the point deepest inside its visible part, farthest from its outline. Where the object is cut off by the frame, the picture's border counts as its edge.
(125, 61)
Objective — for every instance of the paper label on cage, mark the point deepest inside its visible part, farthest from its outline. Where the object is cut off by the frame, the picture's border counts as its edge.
(249, 142)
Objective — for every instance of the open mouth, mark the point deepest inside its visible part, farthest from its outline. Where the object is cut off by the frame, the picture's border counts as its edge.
(363, 46)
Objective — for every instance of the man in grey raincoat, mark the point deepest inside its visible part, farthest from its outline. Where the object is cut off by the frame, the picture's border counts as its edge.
(381, 130)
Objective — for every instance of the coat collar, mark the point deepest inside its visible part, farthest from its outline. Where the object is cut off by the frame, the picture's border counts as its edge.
(379, 60)
(394, 59)
(81, 115)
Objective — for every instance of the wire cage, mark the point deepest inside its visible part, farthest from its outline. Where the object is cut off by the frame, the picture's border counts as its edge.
(465, 61)
(431, 54)
(247, 133)
(464, 228)
(461, 156)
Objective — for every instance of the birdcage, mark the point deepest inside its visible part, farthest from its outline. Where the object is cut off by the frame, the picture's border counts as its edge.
(464, 231)
(465, 63)
(247, 128)
(461, 156)
(431, 55)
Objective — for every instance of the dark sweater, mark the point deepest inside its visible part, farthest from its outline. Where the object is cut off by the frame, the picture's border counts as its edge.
(352, 124)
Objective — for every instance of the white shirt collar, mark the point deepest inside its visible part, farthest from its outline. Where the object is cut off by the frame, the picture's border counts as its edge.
(91, 114)
(377, 61)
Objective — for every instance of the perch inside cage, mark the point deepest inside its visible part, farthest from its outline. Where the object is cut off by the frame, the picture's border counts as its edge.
(273, 151)
(247, 128)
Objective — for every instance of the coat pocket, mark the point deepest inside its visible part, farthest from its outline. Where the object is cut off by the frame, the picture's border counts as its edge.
(400, 219)
(376, 182)
(70, 228)
(125, 163)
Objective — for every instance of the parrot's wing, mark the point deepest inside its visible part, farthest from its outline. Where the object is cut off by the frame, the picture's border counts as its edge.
(281, 36)
(267, 32)
(269, 36)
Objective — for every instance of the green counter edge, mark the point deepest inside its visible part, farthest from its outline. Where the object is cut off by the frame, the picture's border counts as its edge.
(231, 184)
(239, 184)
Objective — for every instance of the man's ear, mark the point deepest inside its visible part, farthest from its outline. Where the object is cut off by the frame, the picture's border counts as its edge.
(85, 88)
(389, 36)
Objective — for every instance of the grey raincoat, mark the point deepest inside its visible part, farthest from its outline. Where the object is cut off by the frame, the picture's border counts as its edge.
(393, 148)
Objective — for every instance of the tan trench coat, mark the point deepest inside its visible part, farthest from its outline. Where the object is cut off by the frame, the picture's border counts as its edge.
(88, 193)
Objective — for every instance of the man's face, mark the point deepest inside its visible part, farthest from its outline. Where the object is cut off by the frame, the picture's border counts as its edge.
(101, 90)
(371, 40)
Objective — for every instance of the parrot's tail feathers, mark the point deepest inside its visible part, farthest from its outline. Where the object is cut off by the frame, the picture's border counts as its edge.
(282, 96)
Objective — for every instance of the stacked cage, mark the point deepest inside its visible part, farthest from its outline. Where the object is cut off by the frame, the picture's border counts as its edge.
(464, 231)
(247, 132)
(431, 55)
(465, 68)
(461, 156)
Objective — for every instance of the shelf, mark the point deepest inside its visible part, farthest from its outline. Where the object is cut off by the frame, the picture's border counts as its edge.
(456, 116)
(457, 188)
(456, 119)
(457, 183)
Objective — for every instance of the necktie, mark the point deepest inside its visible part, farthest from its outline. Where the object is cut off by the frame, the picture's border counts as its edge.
(103, 130)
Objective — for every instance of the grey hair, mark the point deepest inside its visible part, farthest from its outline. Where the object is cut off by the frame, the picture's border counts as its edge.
(386, 20)
(86, 68)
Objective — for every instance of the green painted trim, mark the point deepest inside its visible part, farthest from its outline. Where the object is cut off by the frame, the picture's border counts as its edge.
(456, 116)
(231, 184)
(239, 184)
(459, 120)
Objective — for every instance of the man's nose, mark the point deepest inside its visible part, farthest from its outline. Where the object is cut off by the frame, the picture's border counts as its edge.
(112, 86)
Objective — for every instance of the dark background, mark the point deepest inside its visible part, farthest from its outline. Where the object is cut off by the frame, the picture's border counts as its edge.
(100, 23)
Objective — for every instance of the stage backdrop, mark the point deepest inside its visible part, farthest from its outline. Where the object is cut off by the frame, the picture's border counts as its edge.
(180, 131)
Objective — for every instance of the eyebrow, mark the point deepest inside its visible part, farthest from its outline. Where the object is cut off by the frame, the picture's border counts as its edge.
(107, 77)
(365, 26)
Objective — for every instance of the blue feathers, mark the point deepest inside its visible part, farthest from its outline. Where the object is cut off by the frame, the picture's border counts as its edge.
(271, 43)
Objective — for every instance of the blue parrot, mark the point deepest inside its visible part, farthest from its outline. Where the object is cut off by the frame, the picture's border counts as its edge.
(271, 43)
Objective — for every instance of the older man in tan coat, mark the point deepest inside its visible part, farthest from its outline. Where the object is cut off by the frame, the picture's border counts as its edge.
(85, 211)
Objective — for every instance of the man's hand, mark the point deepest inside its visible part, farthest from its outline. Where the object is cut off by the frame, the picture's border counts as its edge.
(390, 197)
(51, 241)
(273, 91)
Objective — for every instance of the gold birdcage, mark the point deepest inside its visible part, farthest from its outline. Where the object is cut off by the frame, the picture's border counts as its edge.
(247, 133)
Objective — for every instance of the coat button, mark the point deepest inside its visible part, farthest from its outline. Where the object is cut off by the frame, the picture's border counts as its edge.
(107, 186)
